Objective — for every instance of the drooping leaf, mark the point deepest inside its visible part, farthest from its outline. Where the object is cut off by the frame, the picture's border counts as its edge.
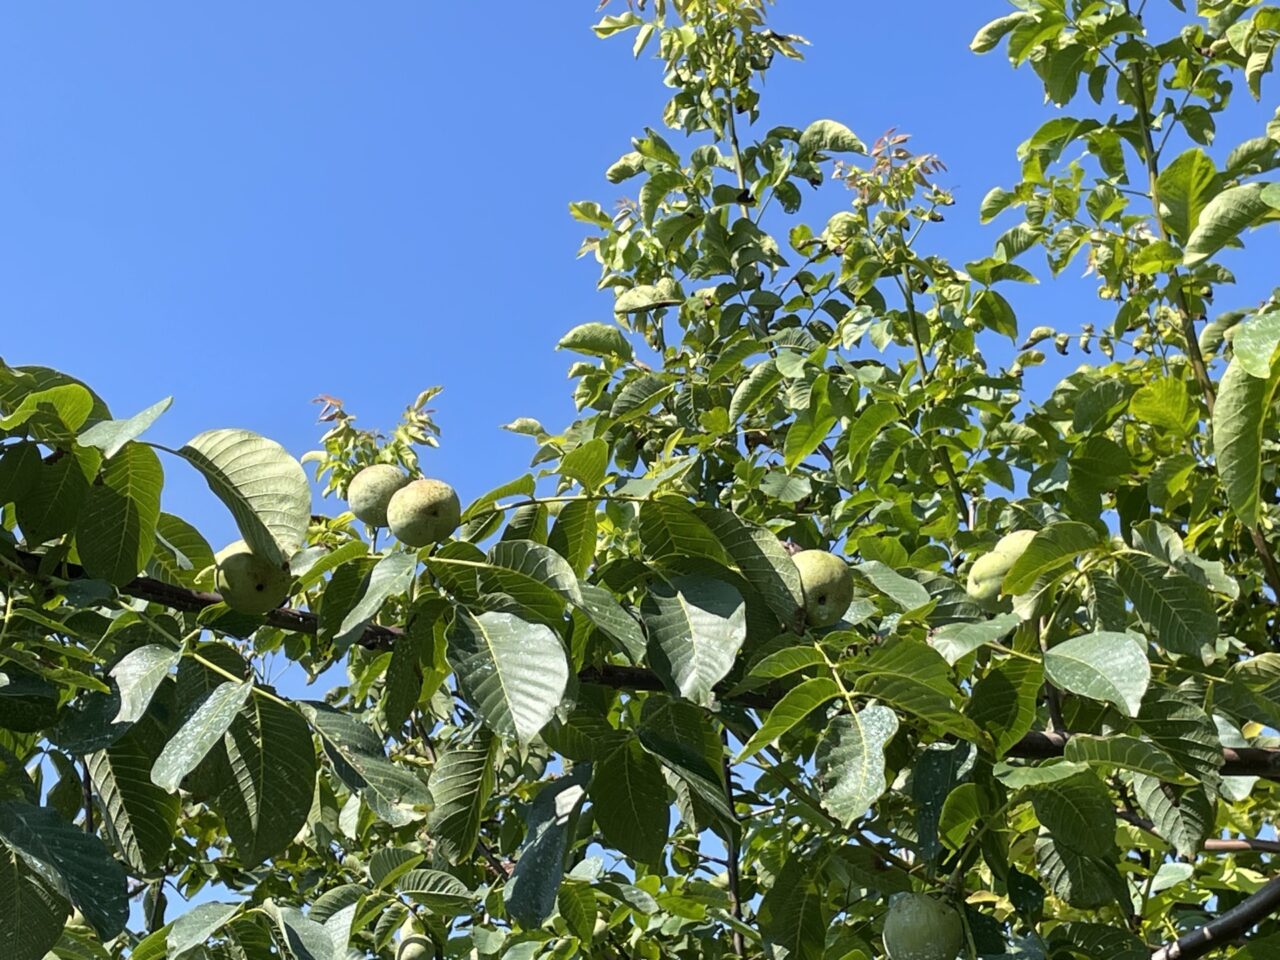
(1240, 417)
(199, 734)
(265, 488)
(1004, 701)
(696, 627)
(260, 778)
(850, 761)
(1223, 219)
(793, 912)
(530, 895)
(140, 816)
(1178, 609)
(75, 864)
(138, 675)
(513, 672)
(461, 784)
(629, 800)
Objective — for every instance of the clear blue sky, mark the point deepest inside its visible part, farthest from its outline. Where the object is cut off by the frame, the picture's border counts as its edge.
(246, 205)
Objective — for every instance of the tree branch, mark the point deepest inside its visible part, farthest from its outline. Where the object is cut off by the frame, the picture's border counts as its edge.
(1037, 745)
(1232, 924)
(1211, 845)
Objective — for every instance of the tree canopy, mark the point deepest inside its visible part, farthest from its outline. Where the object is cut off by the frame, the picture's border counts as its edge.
(602, 718)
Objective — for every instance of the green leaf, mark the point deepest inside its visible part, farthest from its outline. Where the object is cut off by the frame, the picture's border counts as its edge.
(1003, 702)
(696, 626)
(197, 925)
(1186, 187)
(512, 672)
(961, 811)
(786, 661)
(115, 534)
(138, 675)
(461, 784)
(1096, 940)
(629, 800)
(180, 552)
(1240, 418)
(1123, 752)
(389, 864)
(1102, 666)
(907, 593)
(1254, 342)
(35, 911)
(260, 778)
(1052, 771)
(1224, 218)
(638, 396)
(669, 529)
(762, 380)
(577, 904)
(850, 761)
(956, 640)
(1163, 403)
(763, 562)
(55, 413)
(199, 734)
(391, 576)
(359, 760)
(1050, 551)
(811, 427)
(438, 891)
(638, 299)
(535, 576)
(574, 533)
(796, 704)
(912, 676)
(530, 893)
(140, 816)
(828, 136)
(1178, 609)
(986, 38)
(52, 505)
(613, 620)
(69, 861)
(597, 340)
(683, 739)
(264, 487)
(297, 935)
(110, 436)
(1183, 816)
(1182, 729)
(1082, 881)
(1079, 814)
(793, 913)
(586, 463)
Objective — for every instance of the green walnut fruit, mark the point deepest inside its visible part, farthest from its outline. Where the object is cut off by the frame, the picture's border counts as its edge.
(248, 583)
(423, 512)
(413, 945)
(371, 490)
(987, 573)
(919, 927)
(828, 586)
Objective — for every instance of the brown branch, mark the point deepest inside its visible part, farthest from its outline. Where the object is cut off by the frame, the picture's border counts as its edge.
(1237, 921)
(1211, 845)
(1037, 745)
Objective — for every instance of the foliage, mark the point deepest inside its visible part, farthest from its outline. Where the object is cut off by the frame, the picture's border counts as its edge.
(594, 723)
